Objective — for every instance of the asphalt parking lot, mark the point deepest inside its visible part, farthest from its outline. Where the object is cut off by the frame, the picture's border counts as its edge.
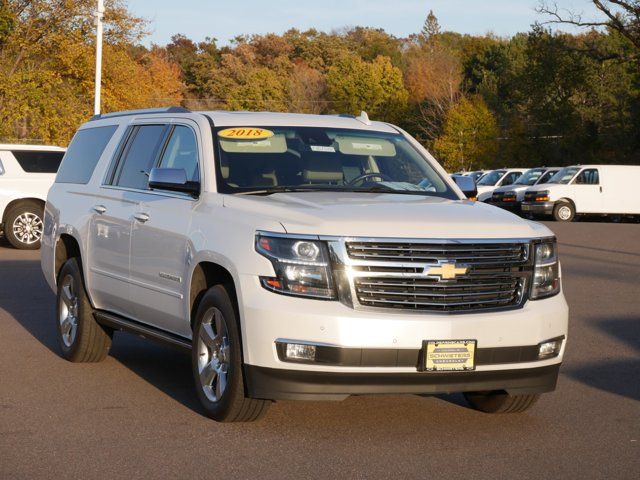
(136, 414)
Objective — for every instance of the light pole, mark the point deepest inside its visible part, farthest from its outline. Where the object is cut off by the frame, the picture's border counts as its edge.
(99, 14)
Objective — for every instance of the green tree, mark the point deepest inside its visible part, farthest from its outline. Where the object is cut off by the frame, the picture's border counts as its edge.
(469, 139)
(431, 27)
(376, 87)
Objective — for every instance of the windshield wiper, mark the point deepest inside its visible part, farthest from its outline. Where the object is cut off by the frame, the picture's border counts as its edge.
(284, 189)
(329, 188)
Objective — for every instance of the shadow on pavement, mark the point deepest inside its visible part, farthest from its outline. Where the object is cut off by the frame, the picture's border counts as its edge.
(619, 376)
(166, 369)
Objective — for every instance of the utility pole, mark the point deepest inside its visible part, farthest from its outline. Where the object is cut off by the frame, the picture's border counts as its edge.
(99, 14)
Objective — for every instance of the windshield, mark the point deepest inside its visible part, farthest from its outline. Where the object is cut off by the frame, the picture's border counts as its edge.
(545, 178)
(491, 178)
(565, 175)
(281, 159)
(530, 177)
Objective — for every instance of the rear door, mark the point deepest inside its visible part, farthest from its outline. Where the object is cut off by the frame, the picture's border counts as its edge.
(586, 191)
(160, 249)
(113, 214)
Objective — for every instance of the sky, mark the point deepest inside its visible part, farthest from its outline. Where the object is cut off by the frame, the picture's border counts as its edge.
(226, 19)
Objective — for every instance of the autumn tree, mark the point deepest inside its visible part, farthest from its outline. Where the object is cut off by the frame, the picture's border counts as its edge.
(47, 68)
(469, 139)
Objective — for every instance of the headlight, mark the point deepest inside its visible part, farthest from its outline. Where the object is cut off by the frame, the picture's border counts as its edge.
(302, 267)
(542, 196)
(546, 273)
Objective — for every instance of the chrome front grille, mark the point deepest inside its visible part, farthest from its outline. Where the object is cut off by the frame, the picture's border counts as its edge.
(468, 253)
(396, 275)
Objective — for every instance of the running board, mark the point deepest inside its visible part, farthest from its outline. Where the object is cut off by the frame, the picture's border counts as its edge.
(145, 331)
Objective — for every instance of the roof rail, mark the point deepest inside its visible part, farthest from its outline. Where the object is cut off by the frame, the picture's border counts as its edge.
(125, 113)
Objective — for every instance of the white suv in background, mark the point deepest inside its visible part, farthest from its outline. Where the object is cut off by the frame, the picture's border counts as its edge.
(26, 174)
(298, 257)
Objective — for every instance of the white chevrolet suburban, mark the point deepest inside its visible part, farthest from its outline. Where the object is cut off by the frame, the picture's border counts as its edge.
(26, 174)
(298, 257)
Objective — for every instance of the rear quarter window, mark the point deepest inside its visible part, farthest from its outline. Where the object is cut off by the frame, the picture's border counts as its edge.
(34, 161)
(83, 154)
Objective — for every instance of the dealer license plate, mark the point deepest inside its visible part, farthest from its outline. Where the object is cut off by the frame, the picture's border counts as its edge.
(525, 207)
(449, 355)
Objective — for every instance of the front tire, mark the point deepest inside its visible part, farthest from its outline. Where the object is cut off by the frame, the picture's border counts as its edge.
(500, 402)
(564, 212)
(80, 337)
(217, 361)
(24, 225)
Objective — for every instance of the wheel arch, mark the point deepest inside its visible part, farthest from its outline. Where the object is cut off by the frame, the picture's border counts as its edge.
(567, 200)
(205, 275)
(67, 247)
(13, 203)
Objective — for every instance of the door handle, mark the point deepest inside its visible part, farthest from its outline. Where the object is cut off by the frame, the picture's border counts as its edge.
(600, 189)
(99, 209)
(141, 217)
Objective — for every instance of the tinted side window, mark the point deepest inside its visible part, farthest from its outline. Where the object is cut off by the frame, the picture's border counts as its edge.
(38, 161)
(83, 154)
(588, 177)
(139, 157)
(545, 177)
(510, 178)
(182, 152)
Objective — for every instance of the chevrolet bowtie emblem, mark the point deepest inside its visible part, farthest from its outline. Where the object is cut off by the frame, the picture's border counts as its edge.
(447, 271)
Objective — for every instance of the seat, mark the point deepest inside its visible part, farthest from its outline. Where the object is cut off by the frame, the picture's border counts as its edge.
(322, 168)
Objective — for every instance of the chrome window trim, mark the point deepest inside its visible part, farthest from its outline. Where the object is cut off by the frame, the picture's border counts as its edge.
(182, 196)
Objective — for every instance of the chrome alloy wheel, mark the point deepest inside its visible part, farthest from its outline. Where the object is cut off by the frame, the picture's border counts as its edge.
(564, 213)
(28, 228)
(68, 311)
(213, 354)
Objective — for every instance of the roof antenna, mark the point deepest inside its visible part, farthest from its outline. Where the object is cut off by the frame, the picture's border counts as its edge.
(364, 118)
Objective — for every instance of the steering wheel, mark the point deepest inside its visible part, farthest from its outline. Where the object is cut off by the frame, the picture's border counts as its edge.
(382, 176)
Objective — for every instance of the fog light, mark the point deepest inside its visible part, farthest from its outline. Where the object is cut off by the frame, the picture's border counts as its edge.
(550, 349)
(296, 351)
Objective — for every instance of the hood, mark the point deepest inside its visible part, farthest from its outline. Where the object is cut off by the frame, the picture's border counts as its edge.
(512, 188)
(384, 215)
(485, 188)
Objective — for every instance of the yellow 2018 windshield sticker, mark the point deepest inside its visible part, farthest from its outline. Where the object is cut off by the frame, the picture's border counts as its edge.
(246, 133)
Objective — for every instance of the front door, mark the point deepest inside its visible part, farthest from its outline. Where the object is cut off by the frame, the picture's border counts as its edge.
(160, 249)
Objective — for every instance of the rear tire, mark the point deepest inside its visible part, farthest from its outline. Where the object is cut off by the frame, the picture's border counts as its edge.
(80, 337)
(564, 212)
(500, 402)
(217, 361)
(24, 225)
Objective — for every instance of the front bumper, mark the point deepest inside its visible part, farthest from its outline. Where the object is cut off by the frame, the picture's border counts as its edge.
(385, 341)
(278, 384)
(537, 208)
(510, 206)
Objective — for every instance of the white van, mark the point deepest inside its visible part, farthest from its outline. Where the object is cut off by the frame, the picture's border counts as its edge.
(497, 178)
(586, 189)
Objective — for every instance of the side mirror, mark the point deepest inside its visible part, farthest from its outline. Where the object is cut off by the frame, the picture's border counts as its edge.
(467, 185)
(173, 180)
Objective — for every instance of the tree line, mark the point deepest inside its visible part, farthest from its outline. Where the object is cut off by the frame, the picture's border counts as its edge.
(537, 98)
